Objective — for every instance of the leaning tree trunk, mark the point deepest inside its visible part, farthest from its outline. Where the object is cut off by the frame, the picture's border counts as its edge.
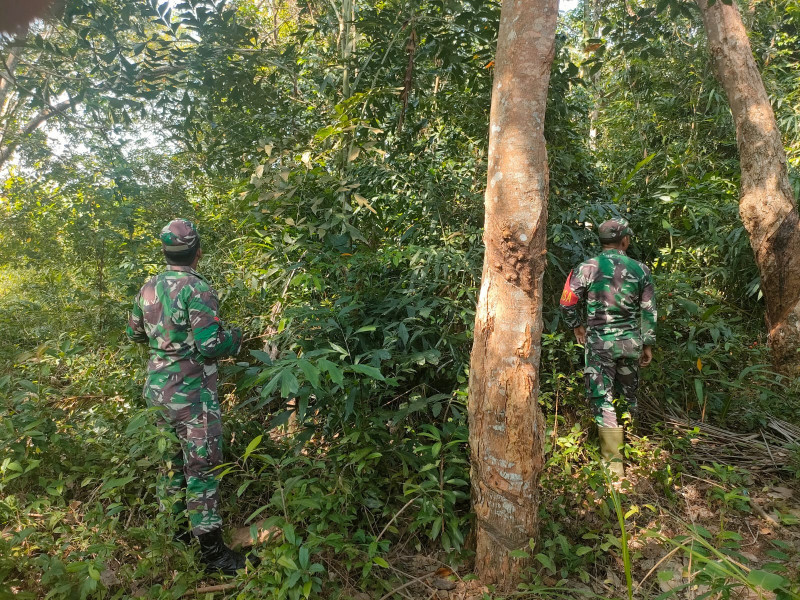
(766, 202)
(506, 425)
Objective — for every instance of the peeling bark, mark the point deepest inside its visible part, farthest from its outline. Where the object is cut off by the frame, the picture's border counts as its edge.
(507, 427)
(766, 201)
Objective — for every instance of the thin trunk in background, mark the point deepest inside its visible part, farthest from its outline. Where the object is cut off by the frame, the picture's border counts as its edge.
(507, 427)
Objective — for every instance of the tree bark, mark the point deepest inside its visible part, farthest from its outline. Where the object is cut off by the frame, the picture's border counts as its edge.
(507, 427)
(7, 74)
(766, 201)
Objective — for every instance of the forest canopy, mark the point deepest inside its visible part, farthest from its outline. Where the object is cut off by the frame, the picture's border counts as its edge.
(334, 158)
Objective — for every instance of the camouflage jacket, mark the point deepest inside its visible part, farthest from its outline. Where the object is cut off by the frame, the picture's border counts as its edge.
(619, 297)
(175, 313)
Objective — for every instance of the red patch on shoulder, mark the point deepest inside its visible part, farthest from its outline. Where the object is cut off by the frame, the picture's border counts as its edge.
(568, 297)
(217, 319)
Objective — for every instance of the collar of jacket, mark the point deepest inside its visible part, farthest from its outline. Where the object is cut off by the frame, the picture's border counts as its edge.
(614, 251)
(184, 269)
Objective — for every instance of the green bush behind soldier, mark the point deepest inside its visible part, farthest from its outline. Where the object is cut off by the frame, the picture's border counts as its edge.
(175, 313)
(620, 332)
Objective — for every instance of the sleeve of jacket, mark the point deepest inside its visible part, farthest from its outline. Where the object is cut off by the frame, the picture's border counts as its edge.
(135, 329)
(211, 337)
(572, 298)
(649, 312)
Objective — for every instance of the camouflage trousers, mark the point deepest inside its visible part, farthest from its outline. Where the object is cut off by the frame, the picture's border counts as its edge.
(612, 379)
(188, 482)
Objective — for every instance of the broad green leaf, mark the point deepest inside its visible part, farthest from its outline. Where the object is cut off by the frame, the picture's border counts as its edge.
(336, 374)
(116, 483)
(136, 423)
(436, 528)
(286, 561)
(698, 389)
(252, 446)
(369, 371)
(310, 371)
(304, 557)
(766, 580)
(547, 562)
(261, 356)
(289, 384)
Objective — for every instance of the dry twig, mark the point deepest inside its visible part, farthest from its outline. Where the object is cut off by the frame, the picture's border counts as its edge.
(211, 589)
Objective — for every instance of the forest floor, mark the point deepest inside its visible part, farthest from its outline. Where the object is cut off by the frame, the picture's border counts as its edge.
(725, 522)
(702, 513)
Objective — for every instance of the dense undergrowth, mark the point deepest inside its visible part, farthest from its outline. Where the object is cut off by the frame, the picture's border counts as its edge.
(349, 495)
(344, 235)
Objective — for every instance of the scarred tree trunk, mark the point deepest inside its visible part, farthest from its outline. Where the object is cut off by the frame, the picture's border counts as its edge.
(506, 425)
(766, 202)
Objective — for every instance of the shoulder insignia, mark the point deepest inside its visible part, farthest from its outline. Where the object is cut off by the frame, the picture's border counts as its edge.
(568, 297)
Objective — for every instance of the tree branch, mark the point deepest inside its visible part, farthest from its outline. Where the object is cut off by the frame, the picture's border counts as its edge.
(32, 125)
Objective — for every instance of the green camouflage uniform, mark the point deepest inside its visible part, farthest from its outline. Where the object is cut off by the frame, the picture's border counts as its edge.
(175, 313)
(621, 310)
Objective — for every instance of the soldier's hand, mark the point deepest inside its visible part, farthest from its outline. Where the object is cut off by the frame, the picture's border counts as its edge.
(237, 340)
(580, 334)
(647, 356)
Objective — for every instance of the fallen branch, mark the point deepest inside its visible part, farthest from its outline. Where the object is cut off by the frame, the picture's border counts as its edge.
(764, 515)
(211, 589)
(408, 583)
(757, 451)
(655, 566)
(397, 514)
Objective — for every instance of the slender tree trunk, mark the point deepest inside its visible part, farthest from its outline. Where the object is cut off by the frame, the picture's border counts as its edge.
(7, 75)
(347, 45)
(766, 202)
(36, 121)
(507, 427)
(347, 31)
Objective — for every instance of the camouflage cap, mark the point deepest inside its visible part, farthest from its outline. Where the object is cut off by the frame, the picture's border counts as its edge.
(179, 235)
(614, 230)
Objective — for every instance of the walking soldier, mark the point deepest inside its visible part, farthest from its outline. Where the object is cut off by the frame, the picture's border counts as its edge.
(175, 314)
(620, 332)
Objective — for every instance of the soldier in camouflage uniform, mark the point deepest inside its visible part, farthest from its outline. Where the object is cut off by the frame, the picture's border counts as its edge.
(620, 304)
(175, 313)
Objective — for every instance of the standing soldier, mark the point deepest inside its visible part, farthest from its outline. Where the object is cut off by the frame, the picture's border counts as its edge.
(620, 332)
(175, 313)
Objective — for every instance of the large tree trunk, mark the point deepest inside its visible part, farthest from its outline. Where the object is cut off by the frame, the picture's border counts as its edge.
(766, 202)
(506, 425)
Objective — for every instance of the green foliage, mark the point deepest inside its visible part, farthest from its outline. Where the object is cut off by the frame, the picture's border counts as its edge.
(288, 570)
(342, 227)
(721, 569)
(64, 467)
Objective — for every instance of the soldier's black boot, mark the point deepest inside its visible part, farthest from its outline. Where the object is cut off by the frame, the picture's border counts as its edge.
(184, 533)
(184, 536)
(218, 557)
